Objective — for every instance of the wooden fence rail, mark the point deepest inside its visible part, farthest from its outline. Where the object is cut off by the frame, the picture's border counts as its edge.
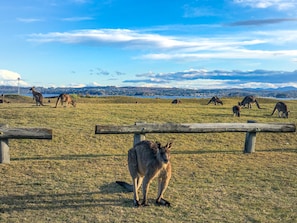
(251, 128)
(7, 133)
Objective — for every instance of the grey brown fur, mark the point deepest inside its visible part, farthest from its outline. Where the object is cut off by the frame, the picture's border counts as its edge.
(37, 96)
(65, 98)
(236, 110)
(249, 100)
(282, 109)
(215, 100)
(147, 160)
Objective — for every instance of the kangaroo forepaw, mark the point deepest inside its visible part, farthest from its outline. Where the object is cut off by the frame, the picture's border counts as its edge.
(163, 202)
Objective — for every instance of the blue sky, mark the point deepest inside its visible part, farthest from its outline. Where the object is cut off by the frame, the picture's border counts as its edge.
(194, 44)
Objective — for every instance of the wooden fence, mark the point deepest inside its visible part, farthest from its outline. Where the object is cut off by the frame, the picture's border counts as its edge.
(7, 133)
(251, 128)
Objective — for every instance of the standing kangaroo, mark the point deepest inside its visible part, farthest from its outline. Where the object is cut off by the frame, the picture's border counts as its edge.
(249, 100)
(37, 96)
(147, 160)
(65, 98)
(282, 109)
(236, 110)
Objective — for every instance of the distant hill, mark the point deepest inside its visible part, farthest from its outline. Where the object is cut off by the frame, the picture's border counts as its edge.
(285, 92)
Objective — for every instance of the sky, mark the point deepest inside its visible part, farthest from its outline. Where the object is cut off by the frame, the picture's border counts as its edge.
(196, 44)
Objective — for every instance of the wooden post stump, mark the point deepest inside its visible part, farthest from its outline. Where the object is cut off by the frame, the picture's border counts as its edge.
(250, 140)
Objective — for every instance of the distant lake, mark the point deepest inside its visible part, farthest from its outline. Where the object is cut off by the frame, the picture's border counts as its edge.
(44, 95)
(156, 96)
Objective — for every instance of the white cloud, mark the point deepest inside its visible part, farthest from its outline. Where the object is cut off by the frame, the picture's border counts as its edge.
(76, 19)
(75, 85)
(29, 20)
(278, 4)
(231, 54)
(94, 84)
(10, 78)
(251, 45)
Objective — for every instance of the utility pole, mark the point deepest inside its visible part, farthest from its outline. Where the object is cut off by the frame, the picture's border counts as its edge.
(19, 86)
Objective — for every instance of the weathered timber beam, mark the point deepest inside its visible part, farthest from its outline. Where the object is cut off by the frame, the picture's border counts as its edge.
(25, 133)
(195, 128)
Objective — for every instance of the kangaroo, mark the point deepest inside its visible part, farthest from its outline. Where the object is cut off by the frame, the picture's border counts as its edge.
(37, 96)
(65, 98)
(147, 160)
(236, 110)
(215, 100)
(176, 101)
(282, 109)
(249, 100)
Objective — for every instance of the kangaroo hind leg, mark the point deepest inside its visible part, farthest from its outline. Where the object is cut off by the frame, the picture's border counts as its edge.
(136, 179)
(163, 182)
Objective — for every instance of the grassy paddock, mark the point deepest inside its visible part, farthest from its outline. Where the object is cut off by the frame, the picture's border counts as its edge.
(71, 178)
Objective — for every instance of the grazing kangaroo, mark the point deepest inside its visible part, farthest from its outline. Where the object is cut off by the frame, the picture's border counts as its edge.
(249, 100)
(176, 101)
(215, 100)
(147, 160)
(282, 109)
(236, 110)
(65, 98)
(37, 96)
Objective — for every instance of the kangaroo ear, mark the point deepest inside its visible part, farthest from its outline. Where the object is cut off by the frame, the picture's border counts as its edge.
(169, 145)
(158, 144)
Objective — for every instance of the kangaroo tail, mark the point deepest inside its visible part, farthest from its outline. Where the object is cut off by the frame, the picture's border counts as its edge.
(127, 186)
(273, 110)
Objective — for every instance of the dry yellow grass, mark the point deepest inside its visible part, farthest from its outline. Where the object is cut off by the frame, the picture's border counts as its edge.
(71, 178)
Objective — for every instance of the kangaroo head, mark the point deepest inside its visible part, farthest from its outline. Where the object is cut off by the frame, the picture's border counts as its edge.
(286, 114)
(164, 152)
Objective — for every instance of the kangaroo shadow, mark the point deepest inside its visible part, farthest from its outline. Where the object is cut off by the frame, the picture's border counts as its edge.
(39, 202)
(112, 188)
(67, 157)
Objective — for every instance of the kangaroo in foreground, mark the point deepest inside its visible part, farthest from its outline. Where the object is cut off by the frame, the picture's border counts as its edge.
(215, 100)
(282, 109)
(147, 160)
(65, 98)
(236, 110)
(249, 100)
(37, 96)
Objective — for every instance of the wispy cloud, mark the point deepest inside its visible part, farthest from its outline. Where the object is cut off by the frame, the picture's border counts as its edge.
(164, 47)
(263, 4)
(117, 37)
(262, 22)
(219, 78)
(29, 20)
(76, 19)
(81, 1)
(190, 11)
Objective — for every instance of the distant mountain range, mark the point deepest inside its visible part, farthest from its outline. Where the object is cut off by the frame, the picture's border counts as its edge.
(285, 92)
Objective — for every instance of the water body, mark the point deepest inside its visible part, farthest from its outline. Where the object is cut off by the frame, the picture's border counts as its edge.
(158, 96)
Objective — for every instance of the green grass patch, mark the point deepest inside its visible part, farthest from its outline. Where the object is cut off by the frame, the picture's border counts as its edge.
(71, 178)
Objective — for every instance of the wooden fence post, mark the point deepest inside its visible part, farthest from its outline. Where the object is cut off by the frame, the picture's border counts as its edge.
(138, 138)
(4, 148)
(4, 151)
(250, 140)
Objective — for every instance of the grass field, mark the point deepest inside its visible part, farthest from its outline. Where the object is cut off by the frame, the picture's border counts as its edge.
(72, 177)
